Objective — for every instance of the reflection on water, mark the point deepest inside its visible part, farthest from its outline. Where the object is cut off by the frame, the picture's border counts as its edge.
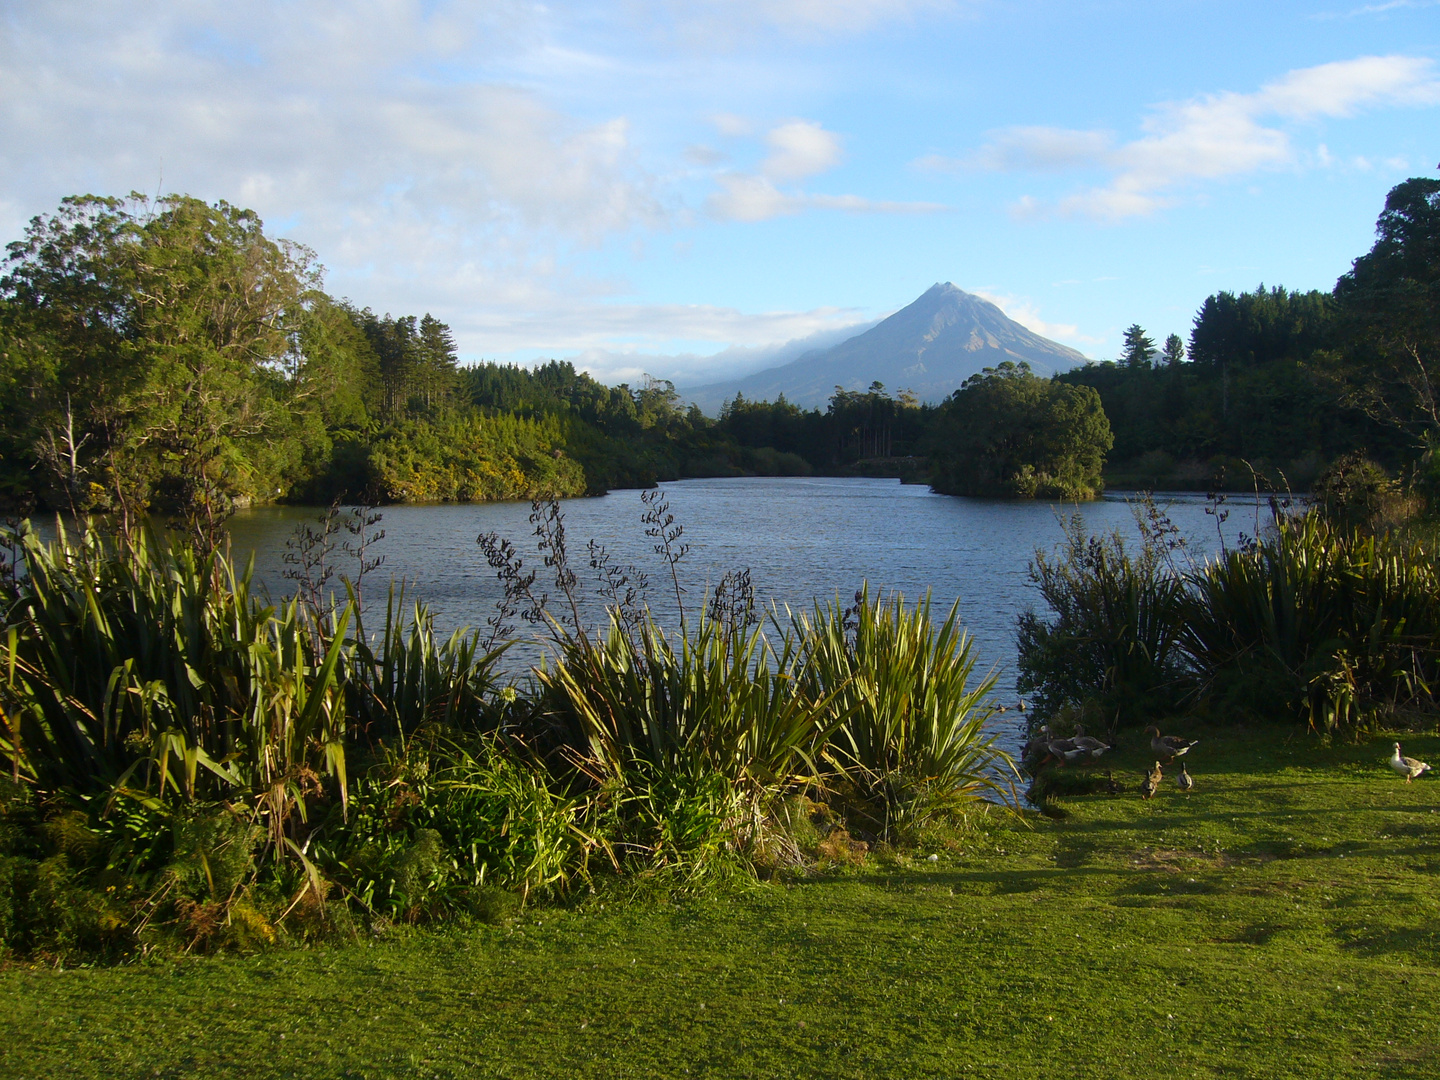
(801, 538)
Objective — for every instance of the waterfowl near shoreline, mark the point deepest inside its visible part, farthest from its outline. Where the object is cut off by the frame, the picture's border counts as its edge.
(1152, 781)
(1169, 747)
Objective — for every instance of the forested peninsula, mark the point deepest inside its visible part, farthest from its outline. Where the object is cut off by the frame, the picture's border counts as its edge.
(170, 356)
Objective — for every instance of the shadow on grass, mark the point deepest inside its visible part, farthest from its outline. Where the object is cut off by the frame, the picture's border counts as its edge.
(1420, 944)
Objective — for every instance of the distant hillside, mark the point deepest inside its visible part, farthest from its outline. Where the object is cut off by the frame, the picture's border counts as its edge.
(930, 347)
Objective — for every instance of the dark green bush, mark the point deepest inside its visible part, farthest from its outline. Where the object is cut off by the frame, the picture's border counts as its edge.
(1111, 646)
(1318, 622)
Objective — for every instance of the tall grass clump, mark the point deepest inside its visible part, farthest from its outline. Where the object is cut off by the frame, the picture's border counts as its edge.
(180, 724)
(1325, 622)
(1329, 623)
(904, 733)
(1110, 649)
(139, 666)
(695, 736)
(412, 677)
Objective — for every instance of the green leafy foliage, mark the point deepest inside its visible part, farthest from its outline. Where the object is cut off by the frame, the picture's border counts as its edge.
(1319, 622)
(906, 716)
(472, 459)
(1010, 433)
(1327, 624)
(193, 769)
(1388, 306)
(1109, 644)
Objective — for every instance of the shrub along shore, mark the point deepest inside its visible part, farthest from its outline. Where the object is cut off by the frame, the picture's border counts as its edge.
(189, 767)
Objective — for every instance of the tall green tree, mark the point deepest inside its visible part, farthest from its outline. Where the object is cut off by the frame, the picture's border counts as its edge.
(1007, 432)
(1174, 352)
(1139, 348)
(1390, 312)
(155, 339)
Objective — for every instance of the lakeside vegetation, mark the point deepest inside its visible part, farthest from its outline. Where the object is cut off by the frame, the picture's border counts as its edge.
(410, 867)
(192, 767)
(189, 766)
(1278, 921)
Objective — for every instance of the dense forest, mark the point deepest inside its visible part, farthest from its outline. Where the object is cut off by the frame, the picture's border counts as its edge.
(169, 355)
(1289, 382)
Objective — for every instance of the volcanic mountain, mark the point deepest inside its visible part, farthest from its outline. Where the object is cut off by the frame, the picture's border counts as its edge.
(930, 348)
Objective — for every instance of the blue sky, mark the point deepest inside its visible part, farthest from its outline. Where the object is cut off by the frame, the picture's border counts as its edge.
(644, 184)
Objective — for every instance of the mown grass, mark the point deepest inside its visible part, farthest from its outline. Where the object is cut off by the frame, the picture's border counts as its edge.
(1280, 921)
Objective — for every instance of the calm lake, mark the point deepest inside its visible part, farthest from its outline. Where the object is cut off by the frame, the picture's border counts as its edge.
(801, 538)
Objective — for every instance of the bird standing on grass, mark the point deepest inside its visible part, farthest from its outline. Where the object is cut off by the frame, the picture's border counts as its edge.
(1185, 781)
(1151, 783)
(1066, 750)
(1169, 747)
(1407, 767)
(1035, 748)
(1092, 746)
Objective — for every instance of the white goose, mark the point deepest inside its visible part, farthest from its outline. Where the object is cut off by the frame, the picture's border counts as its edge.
(1407, 767)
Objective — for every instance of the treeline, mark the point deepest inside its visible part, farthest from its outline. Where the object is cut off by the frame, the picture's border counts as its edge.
(1287, 382)
(1005, 433)
(169, 356)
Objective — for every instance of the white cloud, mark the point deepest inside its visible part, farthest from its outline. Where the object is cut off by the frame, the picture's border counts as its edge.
(1037, 148)
(376, 132)
(837, 15)
(1210, 138)
(440, 155)
(618, 341)
(731, 125)
(799, 149)
(1343, 88)
(695, 369)
(706, 157)
(750, 198)
(725, 24)
(754, 198)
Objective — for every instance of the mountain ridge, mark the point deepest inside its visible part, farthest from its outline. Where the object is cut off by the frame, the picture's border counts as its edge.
(929, 347)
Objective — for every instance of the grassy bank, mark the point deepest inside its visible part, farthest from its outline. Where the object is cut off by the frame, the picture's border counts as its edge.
(1279, 921)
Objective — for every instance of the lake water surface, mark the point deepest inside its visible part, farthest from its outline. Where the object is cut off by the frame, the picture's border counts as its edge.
(801, 538)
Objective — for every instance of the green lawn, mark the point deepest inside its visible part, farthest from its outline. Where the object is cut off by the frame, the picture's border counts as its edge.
(1279, 922)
